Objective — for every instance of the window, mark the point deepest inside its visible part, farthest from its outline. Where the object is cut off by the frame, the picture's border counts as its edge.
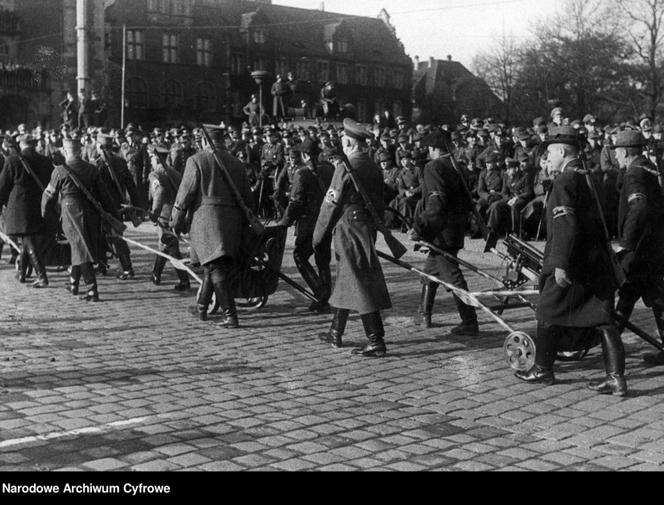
(137, 93)
(135, 45)
(342, 73)
(362, 111)
(259, 63)
(170, 48)
(303, 70)
(171, 94)
(397, 109)
(205, 96)
(379, 77)
(362, 74)
(237, 67)
(323, 70)
(342, 46)
(398, 79)
(203, 52)
(281, 67)
(259, 36)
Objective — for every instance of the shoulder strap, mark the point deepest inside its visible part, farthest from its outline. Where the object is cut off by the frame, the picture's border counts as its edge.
(86, 192)
(31, 173)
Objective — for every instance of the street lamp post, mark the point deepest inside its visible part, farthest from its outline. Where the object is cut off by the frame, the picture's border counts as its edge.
(259, 76)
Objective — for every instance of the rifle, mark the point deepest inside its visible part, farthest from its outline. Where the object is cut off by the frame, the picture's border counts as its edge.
(118, 186)
(397, 248)
(618, 272)
(31, 173)
(254, 223)
(116, 225)
(464, 182)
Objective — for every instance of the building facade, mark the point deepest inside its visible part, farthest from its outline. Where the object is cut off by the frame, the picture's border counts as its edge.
(190, 61)
(443, 90)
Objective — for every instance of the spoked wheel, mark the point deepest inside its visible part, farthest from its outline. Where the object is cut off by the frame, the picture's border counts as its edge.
(520, 351)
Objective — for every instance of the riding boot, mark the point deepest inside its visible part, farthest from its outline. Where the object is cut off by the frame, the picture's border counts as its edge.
(427, 300)
(185, 283)
(226, 304)
(74, 280)
(325, 276)
(613, 352)
(337, 330)
(310, 276)
(373, 328)
(88, 273)
(22, 265)
(204, 298)
(546, 344)
(157, 269)
(656, 359)
(469, 326)
(40, 271)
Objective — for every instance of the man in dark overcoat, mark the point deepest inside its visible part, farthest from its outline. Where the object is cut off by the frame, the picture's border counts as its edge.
(80, 219)
(218, 224)
(360, 284)
(21, 193)
(577, 285)
(641, 233)
(119, 183)
(310, 184)
(441, 220)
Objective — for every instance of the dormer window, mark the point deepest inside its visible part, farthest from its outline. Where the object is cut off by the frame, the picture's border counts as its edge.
(259, 36)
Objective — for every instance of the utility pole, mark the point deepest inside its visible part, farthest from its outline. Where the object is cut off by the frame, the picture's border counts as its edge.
(124, 75)
(83, 45)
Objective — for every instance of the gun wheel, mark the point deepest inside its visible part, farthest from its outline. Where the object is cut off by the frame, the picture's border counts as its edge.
(254, 303)
(520, 351)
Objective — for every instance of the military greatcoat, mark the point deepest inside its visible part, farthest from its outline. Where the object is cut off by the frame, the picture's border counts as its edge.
(218, 222)
(360, 284)
(80, 220)
(575, 244)
(21, 193)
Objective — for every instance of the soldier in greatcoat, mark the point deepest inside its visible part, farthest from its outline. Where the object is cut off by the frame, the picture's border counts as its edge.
(118, 182)
(577, 285)
(360, 284)
(80, 220)
(218, 224)
(310, 184)
(441, 220)
(21, 193)
(641, 233)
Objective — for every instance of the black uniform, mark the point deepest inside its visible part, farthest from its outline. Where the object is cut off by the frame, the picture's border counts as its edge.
(441, 220)
(310, 184)
(641, 232)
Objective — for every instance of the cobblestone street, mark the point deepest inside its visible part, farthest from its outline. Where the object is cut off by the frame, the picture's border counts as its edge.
(137, 383)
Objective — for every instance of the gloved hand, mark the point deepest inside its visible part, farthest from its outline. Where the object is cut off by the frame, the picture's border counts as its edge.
(562, 279)
(153, 217)
(179, 228)
(414, 236)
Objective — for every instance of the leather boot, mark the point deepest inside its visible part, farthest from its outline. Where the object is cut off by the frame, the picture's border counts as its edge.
(204, 298)
(334, 336)
(22, 266)
(227, 305)
(92, 294)
(40, 271)
(427, 301)
(545, 357)
(373, 327)
(184, 284)
(157, 269)
(124, 258)
(656, 358)
(88, 273)
(614, 363)
(469, 326)
(74, 280)
(325, 276)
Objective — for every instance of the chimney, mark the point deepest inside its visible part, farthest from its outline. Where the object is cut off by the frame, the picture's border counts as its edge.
(449, 57)
(417, 63)
(322, 6)
(431, 61)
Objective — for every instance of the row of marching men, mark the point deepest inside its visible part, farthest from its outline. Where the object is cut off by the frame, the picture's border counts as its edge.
(339, 203)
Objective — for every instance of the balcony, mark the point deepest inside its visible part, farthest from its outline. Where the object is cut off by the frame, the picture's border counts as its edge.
(10, 25)
(17, 78)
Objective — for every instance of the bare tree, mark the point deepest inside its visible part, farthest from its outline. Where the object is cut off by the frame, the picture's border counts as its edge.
(499, 68)
(646, 34)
